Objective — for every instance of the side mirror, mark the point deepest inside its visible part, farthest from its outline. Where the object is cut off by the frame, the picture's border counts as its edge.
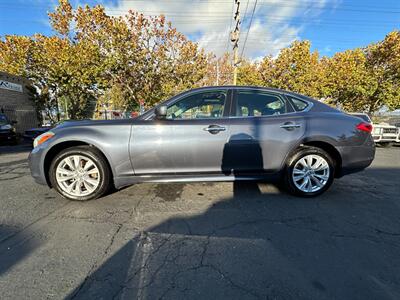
(161, 112)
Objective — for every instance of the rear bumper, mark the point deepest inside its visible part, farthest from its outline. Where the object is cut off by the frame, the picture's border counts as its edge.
(356, 158)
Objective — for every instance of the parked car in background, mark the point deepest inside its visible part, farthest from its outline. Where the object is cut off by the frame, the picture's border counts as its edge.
(32, 133)
(384, 134)
(398, 133)
(222, 133)
(8, 133)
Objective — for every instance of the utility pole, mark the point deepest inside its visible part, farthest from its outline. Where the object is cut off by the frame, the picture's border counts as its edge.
(235, 40)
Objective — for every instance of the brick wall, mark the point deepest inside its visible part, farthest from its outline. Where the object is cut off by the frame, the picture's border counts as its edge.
(17, 105)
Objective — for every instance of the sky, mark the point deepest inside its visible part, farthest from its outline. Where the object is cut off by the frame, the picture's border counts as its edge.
(331, 25)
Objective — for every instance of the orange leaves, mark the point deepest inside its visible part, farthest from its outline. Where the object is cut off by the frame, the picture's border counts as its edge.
(14, 54)
(60, 19)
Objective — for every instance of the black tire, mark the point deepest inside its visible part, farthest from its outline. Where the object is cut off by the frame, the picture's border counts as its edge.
(98, 159)
(299, 154)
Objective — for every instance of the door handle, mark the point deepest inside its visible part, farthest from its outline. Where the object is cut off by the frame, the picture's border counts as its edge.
(214, 129)
(290, 125)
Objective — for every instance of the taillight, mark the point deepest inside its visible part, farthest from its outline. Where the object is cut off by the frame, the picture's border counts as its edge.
(364, 127)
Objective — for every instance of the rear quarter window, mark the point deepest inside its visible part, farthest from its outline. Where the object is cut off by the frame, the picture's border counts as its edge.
(298, 105)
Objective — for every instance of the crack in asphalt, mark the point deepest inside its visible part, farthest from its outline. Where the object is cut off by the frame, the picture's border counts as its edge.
(202, 265)
(96, 263)
(176, 246)
(34, 222)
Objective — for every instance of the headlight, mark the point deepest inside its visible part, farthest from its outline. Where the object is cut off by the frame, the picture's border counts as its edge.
(8, 126)
(377, 130)
(42, 138)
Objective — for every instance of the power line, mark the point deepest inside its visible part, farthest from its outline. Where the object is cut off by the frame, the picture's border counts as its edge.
(245, 12)
(248, 30)
(273, 20)
(308, 5)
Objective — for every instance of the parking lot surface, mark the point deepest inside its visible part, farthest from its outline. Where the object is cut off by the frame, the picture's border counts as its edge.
(202, 241)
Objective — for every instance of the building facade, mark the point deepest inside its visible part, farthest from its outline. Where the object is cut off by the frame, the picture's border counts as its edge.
(16, 103)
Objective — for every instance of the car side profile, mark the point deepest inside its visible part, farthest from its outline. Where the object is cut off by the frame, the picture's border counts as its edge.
(223, 133)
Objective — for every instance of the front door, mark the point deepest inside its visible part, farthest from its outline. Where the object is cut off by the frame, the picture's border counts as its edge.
(191, 139)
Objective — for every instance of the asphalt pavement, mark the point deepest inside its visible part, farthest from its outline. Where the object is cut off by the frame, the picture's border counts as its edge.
(201, 241)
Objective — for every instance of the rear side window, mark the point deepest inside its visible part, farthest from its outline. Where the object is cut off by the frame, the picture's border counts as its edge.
(299, 105)
(255, 104)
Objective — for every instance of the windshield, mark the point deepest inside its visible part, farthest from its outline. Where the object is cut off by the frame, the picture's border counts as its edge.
(3, 120)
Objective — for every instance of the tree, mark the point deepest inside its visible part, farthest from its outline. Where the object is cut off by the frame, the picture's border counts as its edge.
(248, 73)
(365, 79)
(14, 54)
(123, 61)
(219, 70)
(348, 81)
(383, 62)
(295, 69)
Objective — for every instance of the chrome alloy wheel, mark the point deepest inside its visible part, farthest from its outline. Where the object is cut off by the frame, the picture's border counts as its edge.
(311, 173)
(78, 175)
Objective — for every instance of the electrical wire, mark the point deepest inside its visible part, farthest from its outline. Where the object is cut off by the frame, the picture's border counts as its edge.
(248, 30)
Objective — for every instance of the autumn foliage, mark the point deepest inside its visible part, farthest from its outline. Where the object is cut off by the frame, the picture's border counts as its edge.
(94, 59)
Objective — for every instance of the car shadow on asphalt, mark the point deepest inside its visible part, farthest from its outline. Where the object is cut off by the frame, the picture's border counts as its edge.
(15, 245)
(265, 245)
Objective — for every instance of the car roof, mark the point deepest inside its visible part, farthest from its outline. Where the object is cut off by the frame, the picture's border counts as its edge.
(356, 113)
(250, 87)
(235, 87)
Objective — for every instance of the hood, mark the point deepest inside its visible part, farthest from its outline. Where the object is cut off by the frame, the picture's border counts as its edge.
(71, 123)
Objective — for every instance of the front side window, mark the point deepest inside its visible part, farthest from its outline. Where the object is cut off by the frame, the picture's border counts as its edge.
(254, 104)
(204, 105)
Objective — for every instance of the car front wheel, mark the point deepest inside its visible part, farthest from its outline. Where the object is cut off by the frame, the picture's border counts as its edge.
(310, 172)
(80, 173)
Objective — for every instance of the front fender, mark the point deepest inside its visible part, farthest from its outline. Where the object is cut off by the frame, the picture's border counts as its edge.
(112, 141)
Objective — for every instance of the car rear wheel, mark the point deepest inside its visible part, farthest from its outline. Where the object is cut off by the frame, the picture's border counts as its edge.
(80, 173)
(310, 172)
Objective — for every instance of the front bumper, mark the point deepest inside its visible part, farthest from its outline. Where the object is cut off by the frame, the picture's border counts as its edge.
(384, 138)
(36, 165)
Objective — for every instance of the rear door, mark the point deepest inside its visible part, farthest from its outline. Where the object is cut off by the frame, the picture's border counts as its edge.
(190, 141)
(265, 127)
